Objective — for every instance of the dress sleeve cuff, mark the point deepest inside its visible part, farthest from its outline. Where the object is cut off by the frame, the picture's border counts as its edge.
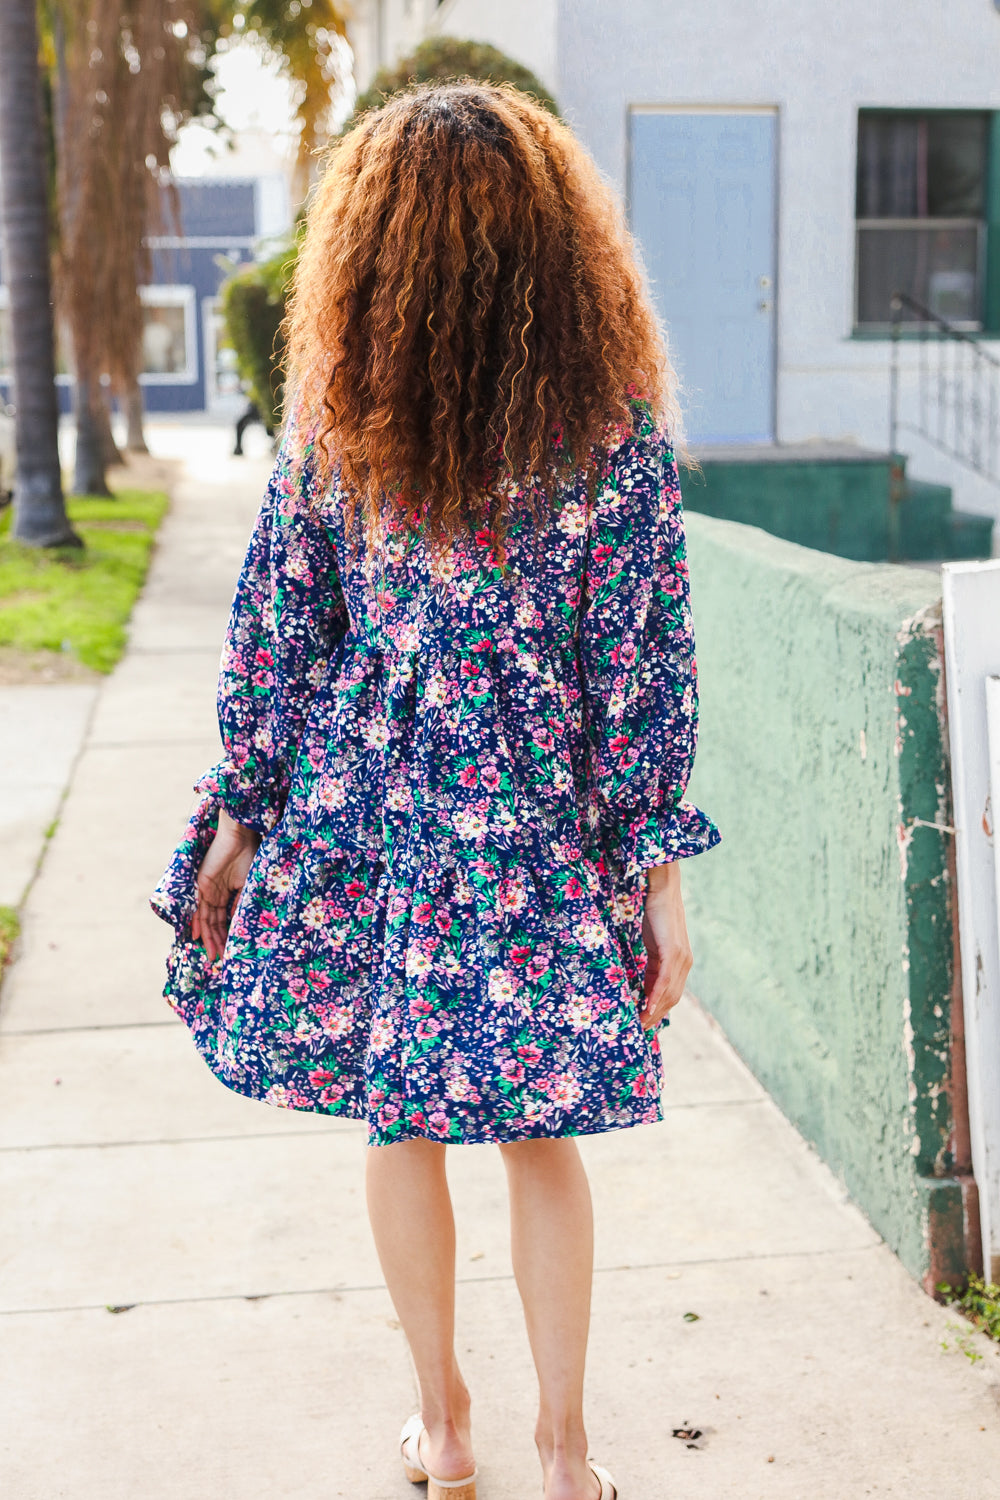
(175, 898)
(256, 803)
(661, 837)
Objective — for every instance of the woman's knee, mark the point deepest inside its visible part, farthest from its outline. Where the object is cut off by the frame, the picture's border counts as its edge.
(542, 1153)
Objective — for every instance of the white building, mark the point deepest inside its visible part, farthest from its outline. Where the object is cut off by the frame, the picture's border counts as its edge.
(786, 167)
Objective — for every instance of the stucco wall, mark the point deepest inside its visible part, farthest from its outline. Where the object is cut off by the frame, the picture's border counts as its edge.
(821, 925)
(818, 65)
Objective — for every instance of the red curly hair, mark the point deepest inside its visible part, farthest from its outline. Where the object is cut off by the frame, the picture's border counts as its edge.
(467, 313)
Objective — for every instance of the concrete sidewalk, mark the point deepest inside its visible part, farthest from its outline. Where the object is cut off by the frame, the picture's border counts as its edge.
(190, 1305)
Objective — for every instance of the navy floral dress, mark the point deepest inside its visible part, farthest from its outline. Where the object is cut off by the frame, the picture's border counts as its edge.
(460, 772)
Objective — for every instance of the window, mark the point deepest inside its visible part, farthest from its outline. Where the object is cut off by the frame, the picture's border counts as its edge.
(921, 190)
(169, 348)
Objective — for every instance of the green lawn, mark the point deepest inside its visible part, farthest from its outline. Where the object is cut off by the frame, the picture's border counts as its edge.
(65, 600)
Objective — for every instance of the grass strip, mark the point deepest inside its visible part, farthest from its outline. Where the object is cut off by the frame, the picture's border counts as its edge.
(64, 599)
(9, 929)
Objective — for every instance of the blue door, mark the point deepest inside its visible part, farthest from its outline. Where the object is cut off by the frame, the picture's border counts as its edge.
(702, 204)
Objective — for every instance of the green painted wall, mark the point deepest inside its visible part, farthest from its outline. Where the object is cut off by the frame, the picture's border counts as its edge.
(841, 506)
(821, 925)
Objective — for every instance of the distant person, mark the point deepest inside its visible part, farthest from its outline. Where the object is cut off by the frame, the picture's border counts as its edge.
(458, 704)
(251, 415)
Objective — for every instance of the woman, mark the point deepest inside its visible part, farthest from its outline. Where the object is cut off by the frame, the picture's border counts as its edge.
(434, 884)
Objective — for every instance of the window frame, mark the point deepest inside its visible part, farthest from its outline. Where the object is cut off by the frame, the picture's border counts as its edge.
(175, 294)
(982, 225)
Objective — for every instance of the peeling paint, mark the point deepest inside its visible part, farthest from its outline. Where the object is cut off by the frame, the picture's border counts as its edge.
(841, 1000)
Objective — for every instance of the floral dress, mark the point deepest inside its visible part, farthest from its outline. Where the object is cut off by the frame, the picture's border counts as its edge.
(460, 771)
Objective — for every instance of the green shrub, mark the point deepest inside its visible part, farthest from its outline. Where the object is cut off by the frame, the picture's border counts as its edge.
(253, 307)
(442, 57)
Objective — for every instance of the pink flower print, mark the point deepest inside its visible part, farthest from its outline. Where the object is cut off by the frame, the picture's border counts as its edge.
(318, 979)
(618, 744)
(332, 1094)
(356, 890)
(459, 1087)
(469, 668)
(512, 1070)
(483, 537)
(442, 921)
(297, 987)
(601, 552)
(529, 1054)
(389, 1113)
(419, 1006)
(418, 1119)
(490, 778)
(320, 1077)
(336, 1020)
(538, 966)
(468, 776)
(376, 1098)
(564, 1090)
(427, 1028)
(439, 1122)
(640, 1086)
(511, 895)
(423, 912)
(520, 955)
(573, 888)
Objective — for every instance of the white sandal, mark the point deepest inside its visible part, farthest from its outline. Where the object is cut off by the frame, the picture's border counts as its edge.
(437, 1489)
(608, 1490)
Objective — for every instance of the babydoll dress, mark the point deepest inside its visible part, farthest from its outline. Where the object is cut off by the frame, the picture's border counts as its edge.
(460, 772)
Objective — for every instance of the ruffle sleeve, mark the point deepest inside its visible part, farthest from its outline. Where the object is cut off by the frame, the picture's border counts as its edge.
(287, 616)
(637, 660)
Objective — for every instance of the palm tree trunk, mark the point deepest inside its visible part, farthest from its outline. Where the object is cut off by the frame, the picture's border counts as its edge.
(135, 440)
(89, 477)
(39, 508)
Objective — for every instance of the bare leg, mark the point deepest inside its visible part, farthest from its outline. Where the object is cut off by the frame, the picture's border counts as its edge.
(411, 1217)
(552, 1244)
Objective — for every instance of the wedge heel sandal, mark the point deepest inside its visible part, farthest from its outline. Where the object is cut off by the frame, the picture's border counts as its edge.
(437, 1489)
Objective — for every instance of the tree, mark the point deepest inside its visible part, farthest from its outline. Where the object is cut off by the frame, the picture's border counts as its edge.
(39, 508)
(441, 58)
(124, 79)
(128, 73)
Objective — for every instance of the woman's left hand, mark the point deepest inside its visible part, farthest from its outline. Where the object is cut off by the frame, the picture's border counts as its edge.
(668, 952)
(222, 876)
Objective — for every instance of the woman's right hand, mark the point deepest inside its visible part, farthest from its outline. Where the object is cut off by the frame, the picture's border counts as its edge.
(222, 876)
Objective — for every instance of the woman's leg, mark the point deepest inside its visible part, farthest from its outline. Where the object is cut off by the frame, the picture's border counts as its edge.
(411, 1217)
(552, 1244)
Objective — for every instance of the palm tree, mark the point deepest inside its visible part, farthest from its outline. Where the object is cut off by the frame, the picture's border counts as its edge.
(39, 508)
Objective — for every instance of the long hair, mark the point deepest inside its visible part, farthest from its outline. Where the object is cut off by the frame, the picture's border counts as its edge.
(467, 314)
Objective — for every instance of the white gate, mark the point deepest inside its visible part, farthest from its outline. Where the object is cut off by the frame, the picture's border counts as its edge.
(972, 660)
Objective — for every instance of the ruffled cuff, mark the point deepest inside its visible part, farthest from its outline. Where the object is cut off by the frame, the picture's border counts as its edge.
(663, 836)
(255, 802)
(175, 898)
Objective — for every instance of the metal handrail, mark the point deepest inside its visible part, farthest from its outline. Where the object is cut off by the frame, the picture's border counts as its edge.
(958, 399)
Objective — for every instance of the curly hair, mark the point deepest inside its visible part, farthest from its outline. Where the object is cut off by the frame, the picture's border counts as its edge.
(467, 315)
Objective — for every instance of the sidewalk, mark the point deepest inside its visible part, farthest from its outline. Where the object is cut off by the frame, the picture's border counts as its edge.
(190, 1305)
